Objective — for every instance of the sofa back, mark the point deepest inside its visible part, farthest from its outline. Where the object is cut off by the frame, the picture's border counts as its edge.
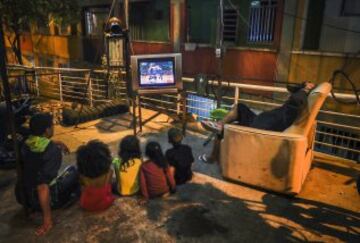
(306, 119)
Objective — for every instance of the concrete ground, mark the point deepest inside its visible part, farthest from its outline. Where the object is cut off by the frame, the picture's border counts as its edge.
(208, 209)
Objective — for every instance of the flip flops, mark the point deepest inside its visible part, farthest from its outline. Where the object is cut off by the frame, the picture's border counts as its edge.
(212, 126)
(204, 158)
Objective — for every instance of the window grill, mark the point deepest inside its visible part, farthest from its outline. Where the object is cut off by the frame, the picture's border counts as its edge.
(338, 142)
(230, 25)
(200, 106)
(262, 18)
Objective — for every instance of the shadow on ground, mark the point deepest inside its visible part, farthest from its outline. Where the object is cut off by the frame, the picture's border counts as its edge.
(114, 124)
(205, 213)
(204, 210)
(198, 212)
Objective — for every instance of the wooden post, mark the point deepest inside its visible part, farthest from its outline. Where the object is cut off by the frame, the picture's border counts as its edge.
(237, 95)
(140, 114)
(36, 83)
(134, 113)
(126, 13)
(176, 24)
(183, 95)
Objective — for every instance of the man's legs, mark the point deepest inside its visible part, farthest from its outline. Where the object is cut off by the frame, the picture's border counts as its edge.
(229, 118)
(66, 188)
(217, 127)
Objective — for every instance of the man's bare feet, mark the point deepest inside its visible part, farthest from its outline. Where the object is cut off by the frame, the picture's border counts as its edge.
(43, 229)
(142, 201)
(212, 126)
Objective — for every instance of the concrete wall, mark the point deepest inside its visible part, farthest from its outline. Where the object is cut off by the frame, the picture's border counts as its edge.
(142, 47)
(240, 65)
(335, 40)
(318, 67)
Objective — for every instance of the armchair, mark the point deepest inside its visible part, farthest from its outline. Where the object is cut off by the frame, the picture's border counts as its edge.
(276, 161)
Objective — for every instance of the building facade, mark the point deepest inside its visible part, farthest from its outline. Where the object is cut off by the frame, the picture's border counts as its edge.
(265, 40)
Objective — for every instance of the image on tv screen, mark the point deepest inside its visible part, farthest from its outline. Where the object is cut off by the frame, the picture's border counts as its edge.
(158, 72)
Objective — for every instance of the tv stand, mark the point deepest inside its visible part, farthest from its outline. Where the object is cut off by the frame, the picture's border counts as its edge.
(157, 91)
(180, 111)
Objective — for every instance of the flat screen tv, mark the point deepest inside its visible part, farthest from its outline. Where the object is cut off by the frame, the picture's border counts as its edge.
(156, 73)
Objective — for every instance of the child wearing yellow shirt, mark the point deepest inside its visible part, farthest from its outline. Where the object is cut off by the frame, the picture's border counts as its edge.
(127, 166)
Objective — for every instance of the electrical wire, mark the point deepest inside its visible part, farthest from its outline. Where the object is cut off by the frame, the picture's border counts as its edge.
(342, 72)
(356, 91)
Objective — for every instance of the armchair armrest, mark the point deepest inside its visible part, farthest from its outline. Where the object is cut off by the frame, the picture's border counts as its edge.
(267, 159)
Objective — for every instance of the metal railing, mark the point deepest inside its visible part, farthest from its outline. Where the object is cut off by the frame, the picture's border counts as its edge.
(92, 87)
(331, 137)
(67, 84)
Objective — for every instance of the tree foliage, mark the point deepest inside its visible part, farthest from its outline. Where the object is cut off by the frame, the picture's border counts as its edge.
(18, 15)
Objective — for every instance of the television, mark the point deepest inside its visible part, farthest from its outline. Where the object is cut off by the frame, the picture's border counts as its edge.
(156, 73)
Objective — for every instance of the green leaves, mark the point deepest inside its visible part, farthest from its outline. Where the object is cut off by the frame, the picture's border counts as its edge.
(18, 15)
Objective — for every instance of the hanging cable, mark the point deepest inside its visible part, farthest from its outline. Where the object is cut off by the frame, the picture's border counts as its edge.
(342, 72)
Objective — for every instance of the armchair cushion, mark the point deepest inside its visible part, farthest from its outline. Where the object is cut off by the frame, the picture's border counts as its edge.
(270, 160)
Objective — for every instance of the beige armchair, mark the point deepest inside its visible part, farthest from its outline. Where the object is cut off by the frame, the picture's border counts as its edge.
(277, 161)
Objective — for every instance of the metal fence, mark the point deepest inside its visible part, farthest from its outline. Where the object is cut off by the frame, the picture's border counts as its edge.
(331, 137)
(67, 84)
(94, 87)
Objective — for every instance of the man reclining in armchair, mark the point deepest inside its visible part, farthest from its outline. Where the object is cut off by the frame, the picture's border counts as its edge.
(277, 119)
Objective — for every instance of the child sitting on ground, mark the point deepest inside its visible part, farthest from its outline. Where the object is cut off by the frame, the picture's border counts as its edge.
(179, 156)
(94, 164)
(41, 189)
(127, 166)
(156, 177)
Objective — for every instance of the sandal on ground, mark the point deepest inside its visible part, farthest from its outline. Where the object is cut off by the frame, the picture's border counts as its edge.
(204, 158)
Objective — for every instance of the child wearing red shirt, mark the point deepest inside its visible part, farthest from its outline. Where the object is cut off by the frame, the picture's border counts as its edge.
(94, 164)
(156, 176)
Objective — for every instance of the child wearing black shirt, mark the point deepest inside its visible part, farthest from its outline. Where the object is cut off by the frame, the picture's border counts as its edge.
(42, 188)
(179, 156)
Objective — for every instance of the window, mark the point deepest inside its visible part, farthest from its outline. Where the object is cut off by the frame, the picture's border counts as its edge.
(95, 20)
(230, 25)
(262, 17)
(202, 21)
(314, 22)
(350, 8)
(149, 20)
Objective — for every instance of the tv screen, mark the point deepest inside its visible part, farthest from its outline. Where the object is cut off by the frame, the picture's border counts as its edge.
(156, 72)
